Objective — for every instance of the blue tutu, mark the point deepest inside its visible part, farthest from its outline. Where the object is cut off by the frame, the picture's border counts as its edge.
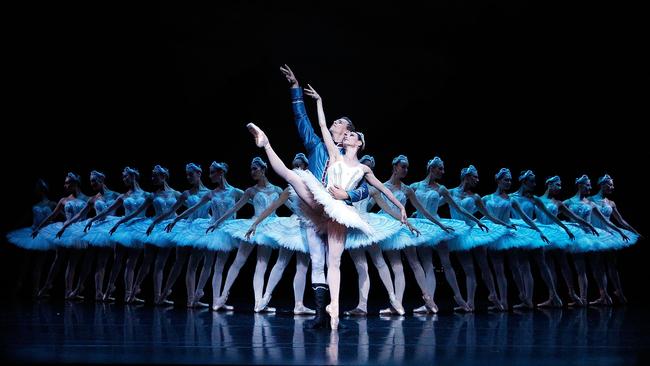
(475, 237)
(430, 234)
(98, 235)
(22, 238)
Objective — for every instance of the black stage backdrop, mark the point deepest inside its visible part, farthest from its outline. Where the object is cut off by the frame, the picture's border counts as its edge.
(551, 88)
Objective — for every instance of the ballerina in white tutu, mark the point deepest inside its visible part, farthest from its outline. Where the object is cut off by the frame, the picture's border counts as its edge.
(186, 249)
(70, 205)
(609, 209)
(35, 248)
(73, 231)
(329, 214)
(98, 231)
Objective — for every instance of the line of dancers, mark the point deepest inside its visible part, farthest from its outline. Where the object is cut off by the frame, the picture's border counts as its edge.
(331, 193)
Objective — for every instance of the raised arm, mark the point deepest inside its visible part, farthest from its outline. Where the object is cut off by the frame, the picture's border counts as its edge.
(444, 192)
(332, 149)
(57, 210)
(303, 124)
(284, 196)
(527, 220)
(118, 202)
(242, 201)
(540, 205)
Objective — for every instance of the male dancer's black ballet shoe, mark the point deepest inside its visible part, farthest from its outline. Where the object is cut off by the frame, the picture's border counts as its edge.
(260, 137)
(321, 320)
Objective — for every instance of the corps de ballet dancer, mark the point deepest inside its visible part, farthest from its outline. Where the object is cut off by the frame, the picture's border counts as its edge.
(221, 199)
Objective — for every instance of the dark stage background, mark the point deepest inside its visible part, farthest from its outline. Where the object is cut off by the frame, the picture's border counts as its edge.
(491, 83)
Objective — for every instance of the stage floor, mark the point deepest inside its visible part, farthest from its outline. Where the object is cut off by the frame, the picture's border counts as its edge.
(114, 333)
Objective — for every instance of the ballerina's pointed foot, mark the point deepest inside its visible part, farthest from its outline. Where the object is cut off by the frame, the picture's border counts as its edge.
(431, 305)
(301, 309)
(397, 305)
(621, 298)
(333, 311)
(260, 137)
(462, 305)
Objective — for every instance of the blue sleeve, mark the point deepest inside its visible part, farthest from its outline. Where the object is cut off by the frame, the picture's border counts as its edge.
(305, 129)
(359, 193)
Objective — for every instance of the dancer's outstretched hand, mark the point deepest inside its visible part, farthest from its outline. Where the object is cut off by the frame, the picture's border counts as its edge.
(625, 237)
(570, 234)
(447, 229)
(309, 90)
(59, 234)
(251, 231)
(170, 226)
(291, 78)
(113, 229)
(483, 227)
(544, 238)
(412, 229)
(88, 226)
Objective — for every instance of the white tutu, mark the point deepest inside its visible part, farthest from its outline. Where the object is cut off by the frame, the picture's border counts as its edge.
(23, 238)
(98, 234)
(335, 209)
(430, 234)
(475, 237)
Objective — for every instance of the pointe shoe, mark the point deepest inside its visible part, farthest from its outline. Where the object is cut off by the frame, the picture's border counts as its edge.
(260, 137)
(300, 309)
(262, 305)
(99, 296)
(355, 312)
(496, 304)
(421, 310)
(333, 311)
(553, 302)
(228, 307)
(108, 296)
(430, 304)
(44, 292)
(388, 311)
(219, 303)
(462, 305)
(396, 305)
